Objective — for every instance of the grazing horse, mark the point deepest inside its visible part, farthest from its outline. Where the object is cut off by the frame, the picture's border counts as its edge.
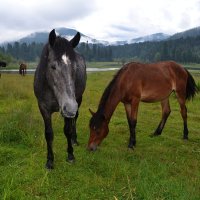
(2, 64)
(22, 69)
(59, 83)
(137, 82)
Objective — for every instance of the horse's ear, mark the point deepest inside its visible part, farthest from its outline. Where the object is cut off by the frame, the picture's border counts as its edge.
(75, 40)
(92, 113)
(52, 37)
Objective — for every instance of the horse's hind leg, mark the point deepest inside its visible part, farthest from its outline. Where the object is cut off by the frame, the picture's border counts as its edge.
(48, 136)
(131, 113)
(165, 114)
(182, 100)
(68, 130)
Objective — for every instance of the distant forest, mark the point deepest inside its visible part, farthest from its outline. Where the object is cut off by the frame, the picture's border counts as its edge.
(185, 50)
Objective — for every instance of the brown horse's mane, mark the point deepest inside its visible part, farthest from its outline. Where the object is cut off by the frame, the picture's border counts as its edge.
(99, 117)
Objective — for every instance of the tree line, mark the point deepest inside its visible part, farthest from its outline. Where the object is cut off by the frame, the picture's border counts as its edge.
(181, 50)
(185, 50)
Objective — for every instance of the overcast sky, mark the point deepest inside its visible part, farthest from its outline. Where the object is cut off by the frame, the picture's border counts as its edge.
(102, 19)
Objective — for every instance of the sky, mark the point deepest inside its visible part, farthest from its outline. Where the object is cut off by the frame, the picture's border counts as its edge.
(109, 20)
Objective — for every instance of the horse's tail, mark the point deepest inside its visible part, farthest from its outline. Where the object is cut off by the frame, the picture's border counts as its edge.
(191, 87)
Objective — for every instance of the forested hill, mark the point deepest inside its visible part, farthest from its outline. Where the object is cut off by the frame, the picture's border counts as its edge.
(181, 50)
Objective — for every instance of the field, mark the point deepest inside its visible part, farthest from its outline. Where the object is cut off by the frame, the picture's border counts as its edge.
(164, 167)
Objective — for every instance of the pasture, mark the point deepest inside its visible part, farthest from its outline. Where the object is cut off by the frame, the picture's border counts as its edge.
(164, 167)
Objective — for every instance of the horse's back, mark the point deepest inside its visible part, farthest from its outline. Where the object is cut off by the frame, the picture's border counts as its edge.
(155, 72)
(152, 82)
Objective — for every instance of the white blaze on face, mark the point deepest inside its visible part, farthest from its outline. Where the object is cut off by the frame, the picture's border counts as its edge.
(68, 103)
(65, 59)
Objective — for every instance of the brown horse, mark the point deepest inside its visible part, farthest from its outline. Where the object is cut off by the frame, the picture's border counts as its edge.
(22, 69)
(137, 82)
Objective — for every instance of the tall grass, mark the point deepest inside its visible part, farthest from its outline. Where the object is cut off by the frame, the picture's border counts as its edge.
(164, 167)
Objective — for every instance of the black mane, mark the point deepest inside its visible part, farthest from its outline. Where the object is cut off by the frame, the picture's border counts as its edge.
(99, 117)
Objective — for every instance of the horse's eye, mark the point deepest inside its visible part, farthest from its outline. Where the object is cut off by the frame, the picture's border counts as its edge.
(53, 67)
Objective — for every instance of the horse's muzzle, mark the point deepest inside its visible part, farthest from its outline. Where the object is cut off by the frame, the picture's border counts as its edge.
(68, 114)
(92, 147)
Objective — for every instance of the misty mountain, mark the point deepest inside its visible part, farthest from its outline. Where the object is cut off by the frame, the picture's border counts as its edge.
(148, 38)
(42, 37)
(146, 49)
(194, 32)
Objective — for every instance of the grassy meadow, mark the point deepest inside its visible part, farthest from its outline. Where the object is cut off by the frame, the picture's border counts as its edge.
(160, 168)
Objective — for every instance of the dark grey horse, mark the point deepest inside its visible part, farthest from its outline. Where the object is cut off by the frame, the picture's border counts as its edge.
(59, 83)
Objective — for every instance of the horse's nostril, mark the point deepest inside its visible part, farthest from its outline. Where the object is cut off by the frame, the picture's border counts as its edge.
(71, 115)
(64, 108)
(66, 113)
(92, 147)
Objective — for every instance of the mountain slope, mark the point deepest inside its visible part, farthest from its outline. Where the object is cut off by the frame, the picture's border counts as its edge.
(152, 37)
(194, 32)
(42, 37)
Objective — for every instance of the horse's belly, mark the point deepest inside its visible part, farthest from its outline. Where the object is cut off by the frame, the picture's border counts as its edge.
(155, 95)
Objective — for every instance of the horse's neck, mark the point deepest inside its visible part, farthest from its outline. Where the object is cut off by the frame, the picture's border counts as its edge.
(111, 104)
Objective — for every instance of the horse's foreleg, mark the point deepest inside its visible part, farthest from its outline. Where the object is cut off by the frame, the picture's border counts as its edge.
(165, 114)
(74, 133)
(49, 140)
(48, 136)
(131, 113)
(68, 130)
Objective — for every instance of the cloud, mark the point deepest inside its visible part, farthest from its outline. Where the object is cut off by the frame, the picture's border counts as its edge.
(39, 13)
(124, 28)
(101, 19)
(26, 16)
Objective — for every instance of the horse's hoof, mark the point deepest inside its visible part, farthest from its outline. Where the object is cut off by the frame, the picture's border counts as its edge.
(131, 148)
(154, 135)
(185, 138)
(75, 143)
(49, 164)
(71, 158)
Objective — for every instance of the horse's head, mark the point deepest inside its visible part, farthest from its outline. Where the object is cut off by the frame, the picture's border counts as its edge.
(98, 130)
(61, 70)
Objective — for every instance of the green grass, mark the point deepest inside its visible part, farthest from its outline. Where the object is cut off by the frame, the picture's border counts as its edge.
(164, 167)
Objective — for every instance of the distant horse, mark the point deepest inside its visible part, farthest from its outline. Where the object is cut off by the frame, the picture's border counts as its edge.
(59, 83)
(137, 82)
(2, 64)
(22, 69)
